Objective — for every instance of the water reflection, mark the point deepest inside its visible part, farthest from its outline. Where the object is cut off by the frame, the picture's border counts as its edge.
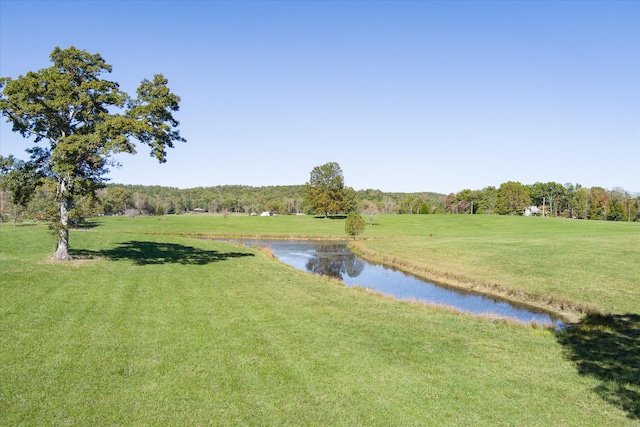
(334, 259)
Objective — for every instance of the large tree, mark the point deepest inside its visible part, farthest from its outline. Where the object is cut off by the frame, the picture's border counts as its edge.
(85, 119)
(512, 198)
(325, 189)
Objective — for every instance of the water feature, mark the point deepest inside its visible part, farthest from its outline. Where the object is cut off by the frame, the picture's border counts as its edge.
(334, 259)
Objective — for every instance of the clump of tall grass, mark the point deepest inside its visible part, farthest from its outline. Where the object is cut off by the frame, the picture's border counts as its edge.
(266, 250)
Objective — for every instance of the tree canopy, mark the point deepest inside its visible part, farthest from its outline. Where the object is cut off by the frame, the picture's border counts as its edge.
(512, 198)
(20, 180)
(354, 224)
(325, 189)
(85, 119)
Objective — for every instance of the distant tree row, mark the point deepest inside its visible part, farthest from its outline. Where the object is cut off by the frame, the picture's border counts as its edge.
(511, 198)
(116, 199)
(550, 199)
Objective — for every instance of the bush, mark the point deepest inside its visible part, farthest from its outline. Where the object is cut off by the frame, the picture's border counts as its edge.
(354, 224)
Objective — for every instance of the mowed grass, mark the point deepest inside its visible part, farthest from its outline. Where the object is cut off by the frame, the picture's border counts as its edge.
(566, 265)
(148, 328)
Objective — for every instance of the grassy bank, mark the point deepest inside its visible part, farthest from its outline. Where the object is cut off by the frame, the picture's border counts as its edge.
(154, 329)
(567, 265)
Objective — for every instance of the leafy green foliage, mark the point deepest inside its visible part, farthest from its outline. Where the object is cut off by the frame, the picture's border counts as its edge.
(354, 224)
(115, 199)
(512, 198)
(410, 204)
(20, 178)
(85, 119)
(325, 189)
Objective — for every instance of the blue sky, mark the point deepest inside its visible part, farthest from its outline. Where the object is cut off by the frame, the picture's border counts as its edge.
(406, 96)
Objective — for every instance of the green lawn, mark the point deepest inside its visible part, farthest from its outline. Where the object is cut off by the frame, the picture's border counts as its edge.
(569, 264)
(148, 327)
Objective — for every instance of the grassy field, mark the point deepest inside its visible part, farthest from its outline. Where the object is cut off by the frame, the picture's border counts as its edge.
(565, 265)
(150, 327)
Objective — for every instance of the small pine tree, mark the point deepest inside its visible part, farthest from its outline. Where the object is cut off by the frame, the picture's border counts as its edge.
(354, 224)
(424, 208)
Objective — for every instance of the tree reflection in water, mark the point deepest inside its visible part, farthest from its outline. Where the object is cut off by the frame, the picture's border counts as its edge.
(334, 261)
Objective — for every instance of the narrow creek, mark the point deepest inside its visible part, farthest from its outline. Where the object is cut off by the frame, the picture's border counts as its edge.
(334, 259)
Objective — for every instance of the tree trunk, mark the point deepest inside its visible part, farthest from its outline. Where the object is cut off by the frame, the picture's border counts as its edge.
(15, 215)
(62, 252)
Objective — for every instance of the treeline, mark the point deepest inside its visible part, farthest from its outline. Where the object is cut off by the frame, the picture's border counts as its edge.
(280, 200)
(511, 198)
(546, 199)
(117, 199)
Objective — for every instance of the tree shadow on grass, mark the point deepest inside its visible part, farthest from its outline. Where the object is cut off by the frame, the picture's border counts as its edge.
(84, 225)
(149, 253)
(607, 347)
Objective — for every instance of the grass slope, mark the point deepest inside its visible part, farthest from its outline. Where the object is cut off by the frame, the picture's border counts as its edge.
(148, 329)
(567, 264)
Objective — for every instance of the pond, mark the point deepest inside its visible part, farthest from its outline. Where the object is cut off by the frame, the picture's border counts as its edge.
(334, 259)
